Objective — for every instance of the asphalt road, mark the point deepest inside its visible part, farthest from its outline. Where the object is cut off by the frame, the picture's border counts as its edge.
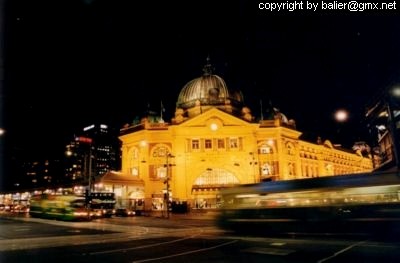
(177, 239)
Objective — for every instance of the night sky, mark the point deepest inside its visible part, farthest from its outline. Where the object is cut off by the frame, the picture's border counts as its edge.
(70, 63)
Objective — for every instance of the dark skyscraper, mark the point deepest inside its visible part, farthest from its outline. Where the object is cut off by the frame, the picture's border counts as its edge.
(94, 152)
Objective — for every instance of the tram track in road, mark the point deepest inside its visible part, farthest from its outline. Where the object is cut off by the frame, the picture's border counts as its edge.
(76, 240)
(154, 239)
(112, 233)
(58, 241)
(170, 256)
(145, 246)
(142, 240)
(202, 241)
(169, 249)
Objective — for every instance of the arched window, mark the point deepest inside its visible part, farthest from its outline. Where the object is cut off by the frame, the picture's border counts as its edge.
(158, 161)
(133, 161)
(267, 147)
(267, 169)
(160, 151)
(216, 176)
(290, 148)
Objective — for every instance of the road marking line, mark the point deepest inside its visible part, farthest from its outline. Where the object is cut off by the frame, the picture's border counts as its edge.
(185, 253)
(140, 247)
(342, 251)
(268, 251)
(277, 244)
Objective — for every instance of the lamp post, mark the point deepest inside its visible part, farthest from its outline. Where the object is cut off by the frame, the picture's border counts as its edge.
(341, 116)
(253, 163)
(166, 196)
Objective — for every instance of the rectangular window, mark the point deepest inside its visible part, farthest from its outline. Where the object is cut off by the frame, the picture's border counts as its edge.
(221, 143)
(157, 172)
(208, 144)
(195, 144)
(153, 172)
(233, 143)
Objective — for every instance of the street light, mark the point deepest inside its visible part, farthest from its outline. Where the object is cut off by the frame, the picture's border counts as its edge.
(341, 115)
(253, 163)
(166, 196)
(90, 170)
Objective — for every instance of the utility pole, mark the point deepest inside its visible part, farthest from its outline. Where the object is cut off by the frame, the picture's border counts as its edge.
(166, 196)
(253, 163)
(87, 163)
(90, 170)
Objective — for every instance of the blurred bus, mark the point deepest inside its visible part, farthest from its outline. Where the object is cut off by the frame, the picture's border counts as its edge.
(60, 207)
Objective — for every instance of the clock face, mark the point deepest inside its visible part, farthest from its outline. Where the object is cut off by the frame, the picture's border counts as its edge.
(160, 151)
(214, 126)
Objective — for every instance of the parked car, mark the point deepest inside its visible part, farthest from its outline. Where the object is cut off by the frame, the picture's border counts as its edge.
(124, 212)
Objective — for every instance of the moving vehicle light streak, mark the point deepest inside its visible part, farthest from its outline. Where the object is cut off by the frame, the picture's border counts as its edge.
(356, 202)
(61, 207)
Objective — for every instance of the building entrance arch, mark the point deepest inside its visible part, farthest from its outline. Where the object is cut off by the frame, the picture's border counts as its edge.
(206, 187)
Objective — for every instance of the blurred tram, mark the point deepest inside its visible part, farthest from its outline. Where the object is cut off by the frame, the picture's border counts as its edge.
(346, 203)
(60, 207)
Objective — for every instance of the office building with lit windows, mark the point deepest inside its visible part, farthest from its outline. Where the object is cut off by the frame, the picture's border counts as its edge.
(93, 153)
(213, 142)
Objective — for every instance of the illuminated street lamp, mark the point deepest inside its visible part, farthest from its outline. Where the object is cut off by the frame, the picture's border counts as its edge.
(341, 115)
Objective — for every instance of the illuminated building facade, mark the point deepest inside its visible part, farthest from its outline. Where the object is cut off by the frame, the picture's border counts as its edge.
(213, 142)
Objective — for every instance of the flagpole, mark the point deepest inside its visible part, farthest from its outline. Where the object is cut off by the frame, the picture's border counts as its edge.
(161, 112)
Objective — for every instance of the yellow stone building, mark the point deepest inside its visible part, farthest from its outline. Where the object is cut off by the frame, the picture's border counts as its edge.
(213, 142)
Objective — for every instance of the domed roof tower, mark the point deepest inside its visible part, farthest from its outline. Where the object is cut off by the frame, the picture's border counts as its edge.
(205, 92)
